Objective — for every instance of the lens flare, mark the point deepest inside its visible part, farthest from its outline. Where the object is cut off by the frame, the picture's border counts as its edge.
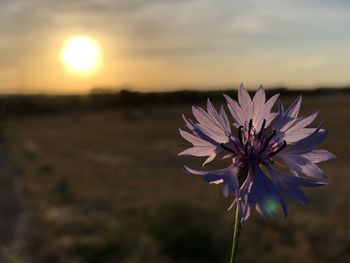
(270, 206)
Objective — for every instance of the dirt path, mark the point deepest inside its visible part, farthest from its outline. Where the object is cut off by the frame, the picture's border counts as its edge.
(10, 210)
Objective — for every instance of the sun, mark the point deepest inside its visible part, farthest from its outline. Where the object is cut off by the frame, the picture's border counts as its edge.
(81, 55)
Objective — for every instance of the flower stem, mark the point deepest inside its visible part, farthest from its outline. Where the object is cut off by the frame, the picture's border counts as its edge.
(236, 232)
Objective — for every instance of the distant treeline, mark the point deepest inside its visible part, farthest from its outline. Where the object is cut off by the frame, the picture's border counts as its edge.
(18, 105)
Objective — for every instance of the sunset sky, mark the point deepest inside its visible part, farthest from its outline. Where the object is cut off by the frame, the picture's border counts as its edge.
(169, 44)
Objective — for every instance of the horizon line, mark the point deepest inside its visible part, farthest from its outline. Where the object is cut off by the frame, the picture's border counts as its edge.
(129, 88)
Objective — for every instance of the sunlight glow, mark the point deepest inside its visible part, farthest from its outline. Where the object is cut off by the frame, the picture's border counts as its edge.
(81, 55)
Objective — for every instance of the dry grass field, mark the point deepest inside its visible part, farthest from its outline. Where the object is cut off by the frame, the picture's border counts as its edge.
(109, 187)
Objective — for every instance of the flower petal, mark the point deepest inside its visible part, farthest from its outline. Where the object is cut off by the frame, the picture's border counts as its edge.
(245, 102)
(308, 143)
(263, 193)
(317, 156)
(196, 141)
(300, 164)
(225, 121)
(227, 176)
(288, 185)
(293, 110)
(235, 110)
(209, 125)
(258, 104)
(198, 151)
(266, 112)
(300, 123)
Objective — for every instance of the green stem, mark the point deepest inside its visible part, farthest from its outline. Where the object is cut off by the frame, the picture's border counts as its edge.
(236, 232)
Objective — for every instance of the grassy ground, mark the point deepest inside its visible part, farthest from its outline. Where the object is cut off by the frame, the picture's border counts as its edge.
(108, 187)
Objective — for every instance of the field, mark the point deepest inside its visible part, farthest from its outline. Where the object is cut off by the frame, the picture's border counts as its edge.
(107, 186)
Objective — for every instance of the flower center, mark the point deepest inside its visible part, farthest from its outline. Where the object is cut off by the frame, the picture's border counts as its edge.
(255, 144)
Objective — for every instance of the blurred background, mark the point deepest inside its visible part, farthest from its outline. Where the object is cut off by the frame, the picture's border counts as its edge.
(91, 97)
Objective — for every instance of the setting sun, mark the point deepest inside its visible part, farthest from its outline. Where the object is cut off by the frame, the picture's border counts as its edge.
(81, 55)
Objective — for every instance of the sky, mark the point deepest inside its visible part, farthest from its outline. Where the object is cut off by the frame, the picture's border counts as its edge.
(175, 44)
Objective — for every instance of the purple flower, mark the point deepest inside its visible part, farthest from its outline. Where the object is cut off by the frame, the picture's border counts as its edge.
(259, 142)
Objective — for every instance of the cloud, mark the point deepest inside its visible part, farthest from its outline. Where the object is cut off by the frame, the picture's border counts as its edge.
(179, 32)
(174, 25)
